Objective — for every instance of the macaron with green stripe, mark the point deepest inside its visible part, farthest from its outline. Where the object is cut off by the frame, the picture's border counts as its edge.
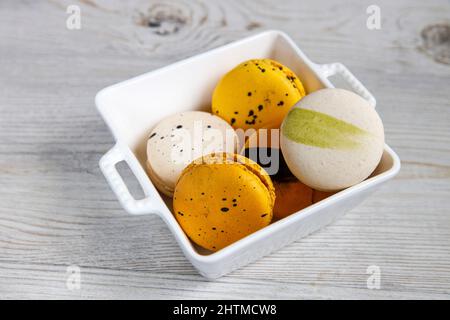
(332, 139)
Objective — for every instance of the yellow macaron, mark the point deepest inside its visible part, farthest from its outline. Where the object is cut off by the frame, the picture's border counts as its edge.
(257, 93)
(221, 198)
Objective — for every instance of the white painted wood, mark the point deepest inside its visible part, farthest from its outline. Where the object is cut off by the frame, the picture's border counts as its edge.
(57, 210)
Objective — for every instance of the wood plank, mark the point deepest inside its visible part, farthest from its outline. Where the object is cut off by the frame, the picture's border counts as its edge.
(57, 210)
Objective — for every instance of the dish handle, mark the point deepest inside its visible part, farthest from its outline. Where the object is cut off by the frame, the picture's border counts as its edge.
(338, 68)
(108, 164)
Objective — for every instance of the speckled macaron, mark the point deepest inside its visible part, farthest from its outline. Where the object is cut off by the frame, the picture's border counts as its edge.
(332, 139)
(256, 94)
(222, 198)
(181, 138)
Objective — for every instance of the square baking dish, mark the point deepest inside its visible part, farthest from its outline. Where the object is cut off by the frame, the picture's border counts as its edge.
(133, 107)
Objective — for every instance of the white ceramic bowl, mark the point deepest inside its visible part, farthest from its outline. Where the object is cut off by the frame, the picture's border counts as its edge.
(133, 107)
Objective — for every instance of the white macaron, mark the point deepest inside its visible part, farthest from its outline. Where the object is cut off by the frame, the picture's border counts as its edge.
(179, 139)
(332, 139)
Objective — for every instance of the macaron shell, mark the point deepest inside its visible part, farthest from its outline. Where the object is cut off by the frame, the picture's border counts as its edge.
(218, 203)
(256, 94)
(314, 159)
(159, 184)
(262, 138)
(179, 139)
(321, 195)
(233, 158)
(329, 100)
(291, 197)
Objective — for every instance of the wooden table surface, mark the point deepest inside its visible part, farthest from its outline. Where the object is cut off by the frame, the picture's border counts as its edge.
(56, 209)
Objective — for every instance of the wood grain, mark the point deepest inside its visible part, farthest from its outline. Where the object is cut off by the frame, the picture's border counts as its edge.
(56, 209)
